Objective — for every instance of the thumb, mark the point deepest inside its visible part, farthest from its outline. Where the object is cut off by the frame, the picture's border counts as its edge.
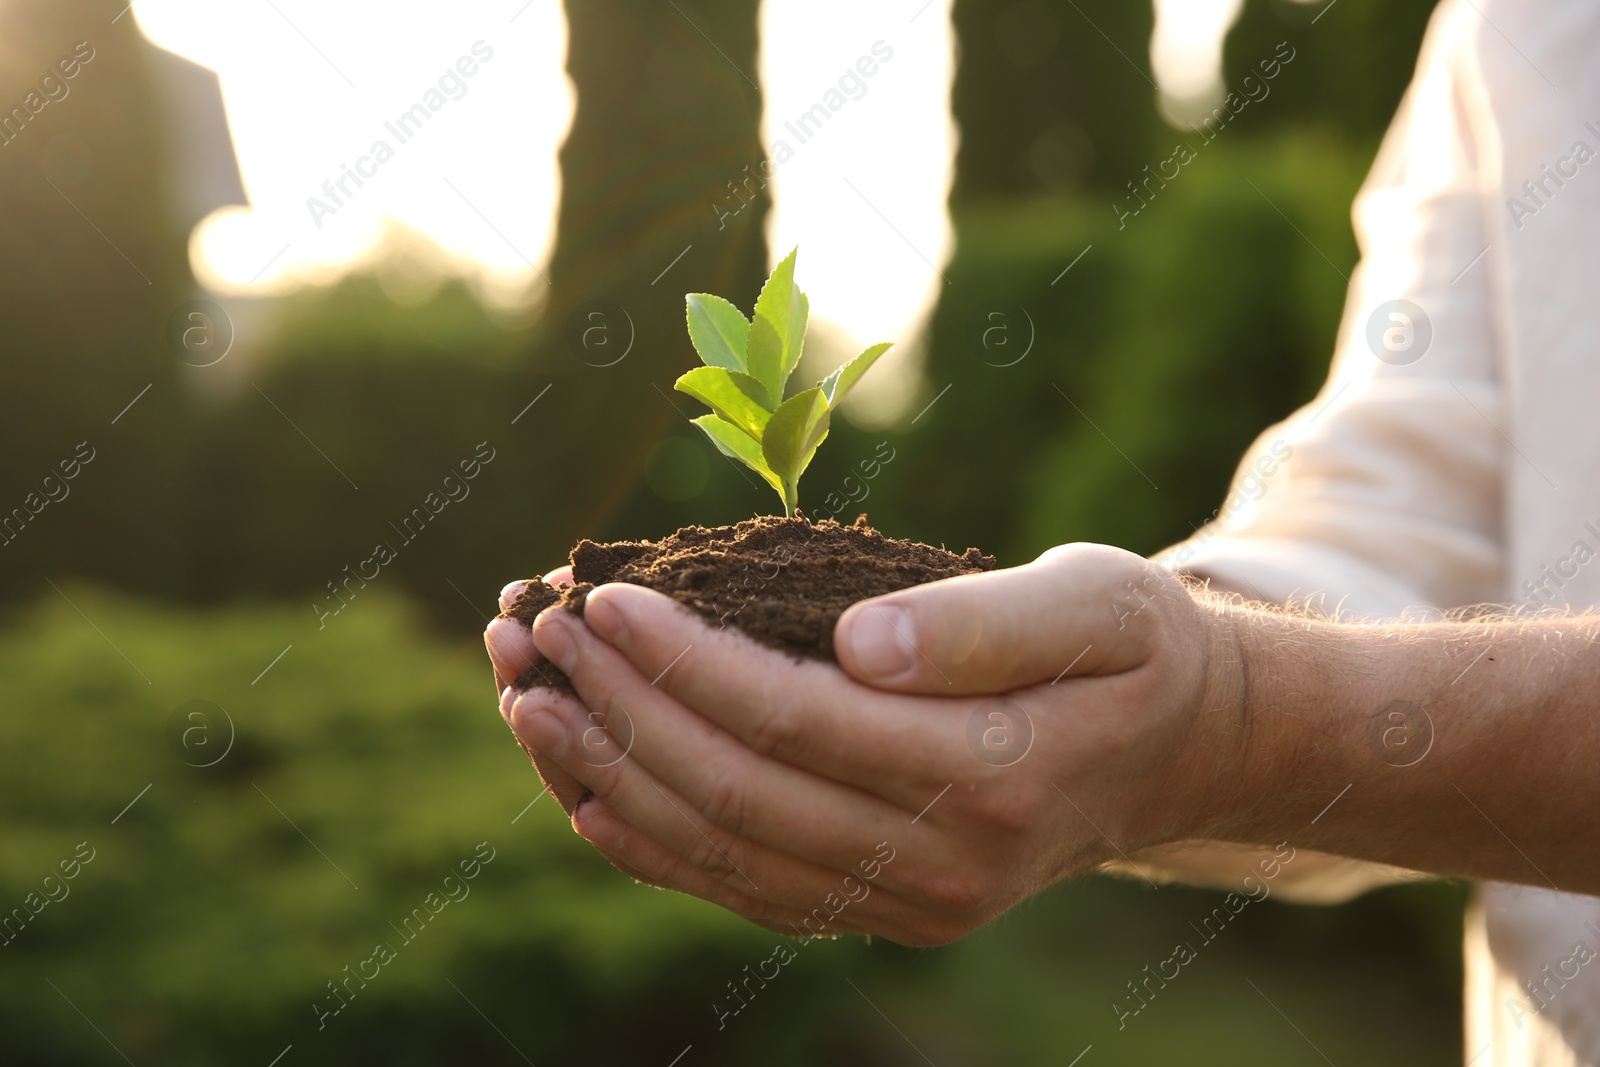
(1005, 629)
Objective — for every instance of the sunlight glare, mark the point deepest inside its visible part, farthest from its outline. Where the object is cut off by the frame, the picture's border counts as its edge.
(863, 164)
(1186, 53)
(313, 89)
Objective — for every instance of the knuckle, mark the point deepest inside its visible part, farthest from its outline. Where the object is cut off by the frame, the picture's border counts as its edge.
(603, 782)
(957, 893)
(669, 872)
(1010, 809)
(708, 855)
(725, 802)
(618, 855)
(604, 739)
(591, 682)
(780, 733)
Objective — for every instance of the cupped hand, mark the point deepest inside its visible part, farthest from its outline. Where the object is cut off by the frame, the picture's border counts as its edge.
(987, 735)
(512, 652)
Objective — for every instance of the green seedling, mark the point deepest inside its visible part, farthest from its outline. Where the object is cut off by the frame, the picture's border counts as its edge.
(748, 362)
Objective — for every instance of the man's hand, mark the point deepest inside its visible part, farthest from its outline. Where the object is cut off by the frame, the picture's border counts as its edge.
(729, 770)
(512, 652)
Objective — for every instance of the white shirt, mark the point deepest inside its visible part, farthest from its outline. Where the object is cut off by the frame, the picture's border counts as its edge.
(1463, 467)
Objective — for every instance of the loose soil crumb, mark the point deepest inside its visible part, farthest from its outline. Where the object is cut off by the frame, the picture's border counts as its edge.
(782, 581)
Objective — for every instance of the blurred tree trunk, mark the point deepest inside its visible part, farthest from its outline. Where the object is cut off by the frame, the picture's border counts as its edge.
(1051, 95)
(92, 264)
(667, 117)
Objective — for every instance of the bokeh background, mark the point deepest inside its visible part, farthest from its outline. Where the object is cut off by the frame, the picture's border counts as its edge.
(272, 765)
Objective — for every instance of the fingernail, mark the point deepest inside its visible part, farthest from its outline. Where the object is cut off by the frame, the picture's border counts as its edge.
(882, 641)
(552, 635)
(603, 618)
(541, 730)
(595, 829)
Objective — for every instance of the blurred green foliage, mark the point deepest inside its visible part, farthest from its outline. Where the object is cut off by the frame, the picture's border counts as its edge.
(208, 924)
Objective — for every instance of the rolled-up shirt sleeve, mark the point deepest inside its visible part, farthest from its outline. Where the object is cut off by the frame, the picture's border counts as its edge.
(1385, 493)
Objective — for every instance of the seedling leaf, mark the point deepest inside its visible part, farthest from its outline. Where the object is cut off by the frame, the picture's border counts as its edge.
(795, 342)
(747, 364)
(719, 331)
(792, 435)
(765, 356)
(783, 305)
(734, 442)
(836, 385)
(735, 396)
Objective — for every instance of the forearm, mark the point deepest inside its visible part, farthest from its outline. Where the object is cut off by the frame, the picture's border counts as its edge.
(1468, 749)
(1314, 878)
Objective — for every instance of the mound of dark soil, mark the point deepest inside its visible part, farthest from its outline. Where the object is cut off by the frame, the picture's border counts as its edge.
(782, 581)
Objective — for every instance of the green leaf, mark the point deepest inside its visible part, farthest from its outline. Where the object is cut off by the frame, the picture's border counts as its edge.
(836, 385)
(732, 394)
(734, 442)
(793, 433)
(786, 308)
(719, 331)
(765, 356)
(748, 364)
(795, 342)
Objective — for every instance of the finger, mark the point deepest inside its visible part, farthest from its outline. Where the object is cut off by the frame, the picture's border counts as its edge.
(645, 860)
(556, 726)
(567, 790)
(511, 650)
(1002, 630)
(807, 714)
(747, 794)
(508, 595)
(513, 590)
(510, 646)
